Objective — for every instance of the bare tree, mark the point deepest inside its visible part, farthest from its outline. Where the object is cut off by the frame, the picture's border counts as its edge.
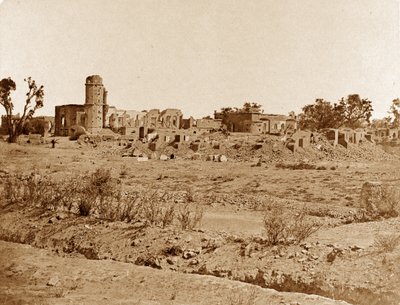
(15, 123)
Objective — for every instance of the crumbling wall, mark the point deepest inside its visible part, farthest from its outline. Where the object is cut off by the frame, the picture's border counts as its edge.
(65, 118)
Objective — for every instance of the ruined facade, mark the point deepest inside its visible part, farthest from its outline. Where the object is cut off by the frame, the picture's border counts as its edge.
(300, 139)
(256, 122)
(91, 115)
(145, 122)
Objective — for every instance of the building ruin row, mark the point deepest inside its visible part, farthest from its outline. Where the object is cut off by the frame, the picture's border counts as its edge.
(95, 114)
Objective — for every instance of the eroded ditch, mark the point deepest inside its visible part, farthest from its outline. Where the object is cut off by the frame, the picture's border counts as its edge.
(79, 235)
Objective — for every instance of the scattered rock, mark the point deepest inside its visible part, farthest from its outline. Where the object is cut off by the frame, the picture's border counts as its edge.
(173, 251)
(194, 262)
(164, 158)
(172, 260)
(53, 220)
(187, 254)
(53, 281)
(356, 248)
(150, 261)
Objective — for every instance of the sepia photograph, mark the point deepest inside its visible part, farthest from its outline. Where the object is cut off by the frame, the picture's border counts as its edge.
(199, 152)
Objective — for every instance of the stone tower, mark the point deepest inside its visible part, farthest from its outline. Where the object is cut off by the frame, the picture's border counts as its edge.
(95, 104)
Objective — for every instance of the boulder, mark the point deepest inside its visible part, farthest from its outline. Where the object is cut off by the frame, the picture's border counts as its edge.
(196, 156)
(164, 158)
(142, 158)
(222, 158)
(76, 131)
(53, 281)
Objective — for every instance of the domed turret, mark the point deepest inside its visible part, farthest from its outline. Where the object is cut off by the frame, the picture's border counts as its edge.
(94, 79)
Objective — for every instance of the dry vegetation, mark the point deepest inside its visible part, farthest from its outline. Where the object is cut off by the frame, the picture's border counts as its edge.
(99, 194)
(285, 227)
(385, 243)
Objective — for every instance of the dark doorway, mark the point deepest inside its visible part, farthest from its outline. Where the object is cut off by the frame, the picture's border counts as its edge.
(141, 132)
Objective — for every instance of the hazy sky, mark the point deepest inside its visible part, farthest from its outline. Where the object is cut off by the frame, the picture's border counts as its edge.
(201, 55)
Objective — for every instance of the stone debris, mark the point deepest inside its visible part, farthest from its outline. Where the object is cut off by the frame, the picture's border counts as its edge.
(54, 281)
(164, 158)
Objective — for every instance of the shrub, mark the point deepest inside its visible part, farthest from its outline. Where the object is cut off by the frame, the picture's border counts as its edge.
(380, 200)
(284, 227)
(150, 203)
(275, 226)
(85, 207)
(190, 194)
(189, 216)
(13, 190)
(300, 228)
(391, 196)
(128, 208)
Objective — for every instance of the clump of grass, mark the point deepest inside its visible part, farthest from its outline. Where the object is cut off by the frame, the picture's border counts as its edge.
(385, 243)
(247, 297)
(296, 166)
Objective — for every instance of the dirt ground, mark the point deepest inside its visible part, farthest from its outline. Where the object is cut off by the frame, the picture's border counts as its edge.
(224, 260)
(33, 276)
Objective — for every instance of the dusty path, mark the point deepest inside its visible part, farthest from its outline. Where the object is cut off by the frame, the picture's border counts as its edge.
(37, 276)
(245, 222)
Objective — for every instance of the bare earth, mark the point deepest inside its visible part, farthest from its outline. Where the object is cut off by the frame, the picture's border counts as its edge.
(86, 260)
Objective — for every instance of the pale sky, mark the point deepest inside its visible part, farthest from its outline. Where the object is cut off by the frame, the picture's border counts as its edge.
(201, 55)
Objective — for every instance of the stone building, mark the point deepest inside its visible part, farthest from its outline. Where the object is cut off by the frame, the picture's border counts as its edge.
(256, 122)
(91, 115)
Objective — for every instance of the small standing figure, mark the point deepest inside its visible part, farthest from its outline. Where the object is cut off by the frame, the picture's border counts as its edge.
(53, 143)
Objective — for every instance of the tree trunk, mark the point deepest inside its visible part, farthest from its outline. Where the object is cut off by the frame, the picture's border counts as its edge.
(12, 138)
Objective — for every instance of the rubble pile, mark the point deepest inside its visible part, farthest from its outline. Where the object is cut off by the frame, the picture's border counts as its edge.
(239, 147)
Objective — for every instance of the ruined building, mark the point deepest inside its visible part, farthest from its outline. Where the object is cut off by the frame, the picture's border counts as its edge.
(91, 115)
(144, 122)
(256, 122)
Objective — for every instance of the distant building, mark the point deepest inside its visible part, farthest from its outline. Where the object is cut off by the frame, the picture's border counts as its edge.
(91, 115)
(256, 122)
